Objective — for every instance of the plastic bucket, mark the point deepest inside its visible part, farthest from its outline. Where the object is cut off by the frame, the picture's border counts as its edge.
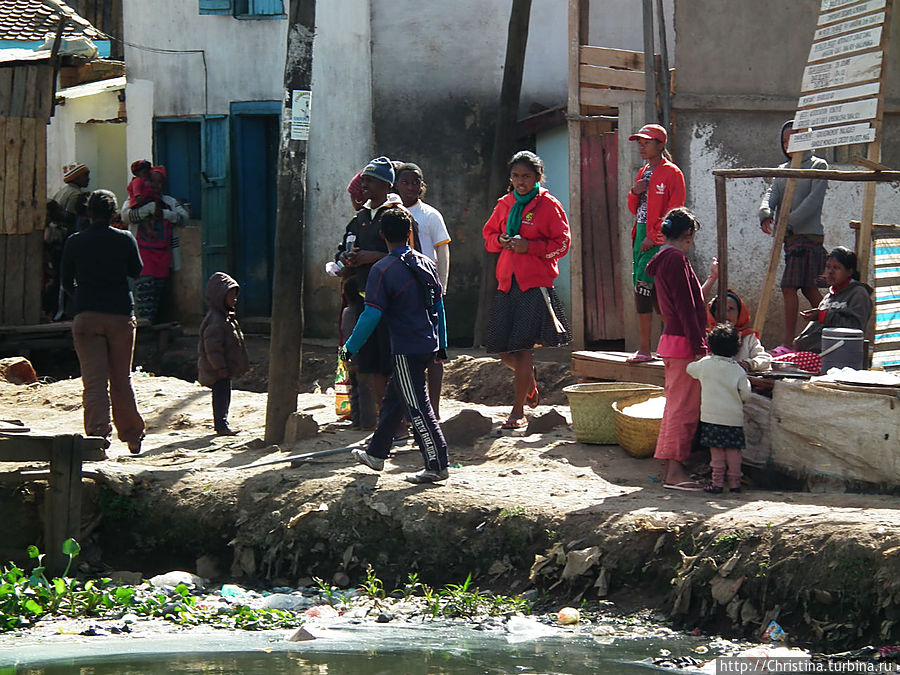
(591, 406)
(842, 348)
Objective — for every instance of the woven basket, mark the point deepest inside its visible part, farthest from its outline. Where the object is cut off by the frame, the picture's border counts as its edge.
(592, 417)
(636, 435)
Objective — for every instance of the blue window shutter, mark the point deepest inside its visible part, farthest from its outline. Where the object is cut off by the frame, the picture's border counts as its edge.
(266, 7)
(215, 6)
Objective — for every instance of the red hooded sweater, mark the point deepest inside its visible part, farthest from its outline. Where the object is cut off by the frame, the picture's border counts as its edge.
(545, 226)
(665, 192)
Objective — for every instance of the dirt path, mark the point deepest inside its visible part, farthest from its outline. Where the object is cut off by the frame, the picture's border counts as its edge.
(538, 511)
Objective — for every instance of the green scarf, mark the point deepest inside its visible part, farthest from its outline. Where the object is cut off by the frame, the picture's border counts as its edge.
(514, 220)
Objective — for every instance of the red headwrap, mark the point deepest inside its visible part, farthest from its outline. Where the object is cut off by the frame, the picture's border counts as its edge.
(743, 320)
(355, 188)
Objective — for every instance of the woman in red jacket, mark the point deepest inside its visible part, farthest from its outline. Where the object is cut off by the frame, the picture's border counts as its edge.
(530, 231)
(658, 189)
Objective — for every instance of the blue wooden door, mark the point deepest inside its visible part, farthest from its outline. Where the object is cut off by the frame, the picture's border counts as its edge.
(214, 186)
(255, 142)
(177, 147)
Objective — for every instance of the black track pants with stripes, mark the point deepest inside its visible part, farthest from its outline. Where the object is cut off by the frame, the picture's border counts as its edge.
(407, 395)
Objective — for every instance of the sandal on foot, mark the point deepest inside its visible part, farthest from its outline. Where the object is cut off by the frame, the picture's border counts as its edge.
(515, 423)
(714, 489)
(638, 357)
(685, 486)
(533, 399)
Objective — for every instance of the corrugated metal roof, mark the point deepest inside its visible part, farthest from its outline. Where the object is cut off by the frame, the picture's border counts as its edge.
(33, 19)
(91, 88)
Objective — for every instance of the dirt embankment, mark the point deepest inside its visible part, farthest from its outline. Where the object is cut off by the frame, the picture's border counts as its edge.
(536, 512)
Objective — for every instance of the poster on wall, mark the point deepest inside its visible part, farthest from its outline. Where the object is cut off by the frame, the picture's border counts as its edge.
(300, 107)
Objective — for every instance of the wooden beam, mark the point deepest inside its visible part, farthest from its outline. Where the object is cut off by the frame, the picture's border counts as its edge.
(610, 77)
(824, 174)
(576, 263)
(722, 246)
(613, 58)
(784, 212)
(650, 109)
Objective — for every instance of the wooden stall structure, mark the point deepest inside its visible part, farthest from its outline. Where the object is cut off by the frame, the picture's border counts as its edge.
(26, 104)
(606, 103)
(65, 454)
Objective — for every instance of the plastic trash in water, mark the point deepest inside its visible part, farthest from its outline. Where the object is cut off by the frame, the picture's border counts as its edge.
(234, 593)
(521, 628)
(568, 616)
(774, 633)
(321, 613)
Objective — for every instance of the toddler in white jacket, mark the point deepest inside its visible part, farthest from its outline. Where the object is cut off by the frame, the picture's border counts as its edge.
(723, 389)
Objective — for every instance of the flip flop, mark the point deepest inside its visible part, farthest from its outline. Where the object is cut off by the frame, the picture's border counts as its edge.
(638, 357)
(686, 486)
(515, 423)
(533, 400)
(780, 350)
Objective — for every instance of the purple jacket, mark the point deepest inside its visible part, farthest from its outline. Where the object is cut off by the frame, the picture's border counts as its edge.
(680, 297)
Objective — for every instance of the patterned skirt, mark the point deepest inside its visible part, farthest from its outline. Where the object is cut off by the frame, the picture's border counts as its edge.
(521, 320)
(721, 436)
(804, 263)
(148, 292)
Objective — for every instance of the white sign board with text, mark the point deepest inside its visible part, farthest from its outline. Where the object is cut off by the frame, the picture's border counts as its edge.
(849, 134)
(854, 42)
(849, 12)
(843, 71)
(840, 113)
(300, 109)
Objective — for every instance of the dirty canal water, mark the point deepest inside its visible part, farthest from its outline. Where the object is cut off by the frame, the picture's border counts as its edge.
(522, 646)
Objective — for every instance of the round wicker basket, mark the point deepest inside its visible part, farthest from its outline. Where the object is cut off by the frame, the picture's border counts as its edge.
(636, 435)
(592, 418)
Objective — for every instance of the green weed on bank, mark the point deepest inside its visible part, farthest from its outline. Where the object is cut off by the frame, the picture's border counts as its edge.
(27, 598)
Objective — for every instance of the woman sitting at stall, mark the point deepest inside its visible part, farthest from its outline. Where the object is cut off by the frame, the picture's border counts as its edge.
(751, 355)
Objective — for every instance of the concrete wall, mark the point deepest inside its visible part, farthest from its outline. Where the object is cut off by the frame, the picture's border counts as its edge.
(244, 59)
(734, 90)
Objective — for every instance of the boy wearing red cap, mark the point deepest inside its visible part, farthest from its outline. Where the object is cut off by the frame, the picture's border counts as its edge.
(658, 189)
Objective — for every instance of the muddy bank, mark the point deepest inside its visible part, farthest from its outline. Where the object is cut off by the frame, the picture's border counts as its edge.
(539, 513)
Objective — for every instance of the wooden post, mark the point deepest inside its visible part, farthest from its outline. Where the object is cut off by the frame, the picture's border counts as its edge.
(650, 111)
(784, 212)
(722, 247)
(666, 83)
(287, 286)
(873, 154)
(577, 36)
(63, 506)
(507, 113)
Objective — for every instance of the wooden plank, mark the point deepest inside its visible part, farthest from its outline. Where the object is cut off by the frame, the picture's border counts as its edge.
(864, 239)
(12, 147)
(849, 12)
(784, 211)
(3, 177)
(3, 266)
(591, 182)
(14, 291)
(40, 175)
(29, 102)
(843, 94)
(33, 276)
(827, 174)
(6, 81)
(614, 319)
(17, 100)
(845, 44)
(610, 77)
(840, 113)
(64, 502)
(26, 203)
(604, 97)
(857, 23)
(613, 366)
(45, 91)
(613, 58)
(576, 271)
(842, 71)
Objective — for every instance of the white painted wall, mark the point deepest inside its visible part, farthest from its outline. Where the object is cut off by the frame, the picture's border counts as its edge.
(553, 147)
(340, 143)
(139, 130)
(65, 146)
(749, 248)
(244, 59)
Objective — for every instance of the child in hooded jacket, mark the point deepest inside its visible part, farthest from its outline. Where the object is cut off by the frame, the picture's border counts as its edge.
(223, 354)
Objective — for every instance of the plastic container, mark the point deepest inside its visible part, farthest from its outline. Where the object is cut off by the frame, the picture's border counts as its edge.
(842, 348)
(592, 415)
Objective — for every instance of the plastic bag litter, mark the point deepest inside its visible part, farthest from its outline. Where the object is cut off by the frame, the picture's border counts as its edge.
(522, 628)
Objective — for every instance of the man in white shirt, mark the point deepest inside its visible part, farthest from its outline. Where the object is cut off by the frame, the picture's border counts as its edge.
(435, 243)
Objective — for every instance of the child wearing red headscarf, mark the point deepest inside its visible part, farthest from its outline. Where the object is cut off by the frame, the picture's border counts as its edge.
(140, 189)
(751, 355)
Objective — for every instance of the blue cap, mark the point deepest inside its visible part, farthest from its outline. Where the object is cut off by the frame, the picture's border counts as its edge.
(380, 168)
